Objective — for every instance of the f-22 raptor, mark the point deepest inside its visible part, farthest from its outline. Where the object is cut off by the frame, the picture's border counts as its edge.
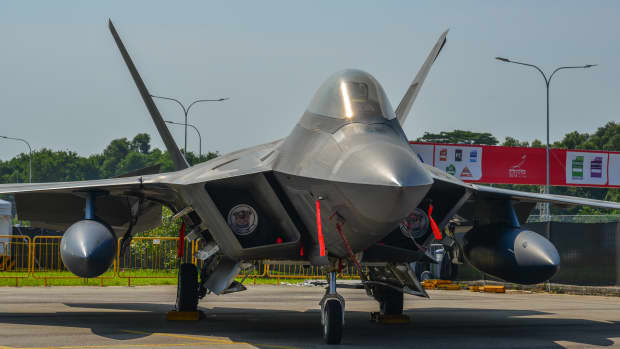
(344, 188)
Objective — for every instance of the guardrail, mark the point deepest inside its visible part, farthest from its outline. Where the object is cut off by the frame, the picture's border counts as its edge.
(152, 258)
(146, 258)
(15, 257)
(46, 263)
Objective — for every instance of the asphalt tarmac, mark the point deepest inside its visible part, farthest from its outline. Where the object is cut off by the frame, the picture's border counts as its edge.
(288, 317)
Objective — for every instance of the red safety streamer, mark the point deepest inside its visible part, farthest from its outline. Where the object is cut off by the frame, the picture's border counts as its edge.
(350, 250)
(181, 240)
(319, 229)
(434, 226)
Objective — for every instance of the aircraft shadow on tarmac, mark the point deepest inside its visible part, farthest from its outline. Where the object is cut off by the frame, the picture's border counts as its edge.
(429, 327)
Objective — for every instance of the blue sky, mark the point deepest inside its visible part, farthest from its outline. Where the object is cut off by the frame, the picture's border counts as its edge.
(63, 84)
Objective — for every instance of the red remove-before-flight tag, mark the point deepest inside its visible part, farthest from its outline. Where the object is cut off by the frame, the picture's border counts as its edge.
(434, 226)
(319, 229)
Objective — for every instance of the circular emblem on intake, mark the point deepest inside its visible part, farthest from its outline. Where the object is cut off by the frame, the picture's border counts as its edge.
(415, 225)
(242, 219)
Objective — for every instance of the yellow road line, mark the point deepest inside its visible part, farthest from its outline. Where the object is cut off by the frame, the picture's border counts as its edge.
(183, 336)
(198, 341)
(210, 340)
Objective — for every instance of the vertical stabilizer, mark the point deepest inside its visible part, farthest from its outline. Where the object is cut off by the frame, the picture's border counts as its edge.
(178, 159)
(412, 92)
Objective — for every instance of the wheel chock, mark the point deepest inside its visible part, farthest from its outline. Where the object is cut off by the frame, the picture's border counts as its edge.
(488, 289)
(388, 319)
(495, 289)
(451, 287)
(174, 315)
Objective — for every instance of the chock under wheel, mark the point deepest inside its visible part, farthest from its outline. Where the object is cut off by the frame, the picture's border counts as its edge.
(389, 319)
(174, 315)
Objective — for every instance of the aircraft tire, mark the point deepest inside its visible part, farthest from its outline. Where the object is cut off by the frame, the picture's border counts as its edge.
(187, 288)
(332, 322)
(390, 300)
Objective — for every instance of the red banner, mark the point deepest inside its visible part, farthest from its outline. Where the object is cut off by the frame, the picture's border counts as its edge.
(521, 165)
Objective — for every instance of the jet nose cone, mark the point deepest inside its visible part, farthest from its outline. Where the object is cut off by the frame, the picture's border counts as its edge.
(536, 255)
(383, 181)
(383, 163)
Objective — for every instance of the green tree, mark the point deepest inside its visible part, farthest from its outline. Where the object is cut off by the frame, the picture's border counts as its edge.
(513, 142)
(537, 144)
(141, 143)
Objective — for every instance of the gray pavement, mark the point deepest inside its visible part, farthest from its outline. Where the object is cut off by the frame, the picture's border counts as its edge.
(288, 317)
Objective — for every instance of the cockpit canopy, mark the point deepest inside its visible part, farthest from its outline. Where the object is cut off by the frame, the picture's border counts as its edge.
(352, 95)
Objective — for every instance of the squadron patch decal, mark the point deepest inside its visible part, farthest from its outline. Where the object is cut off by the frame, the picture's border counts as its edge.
(242, 219)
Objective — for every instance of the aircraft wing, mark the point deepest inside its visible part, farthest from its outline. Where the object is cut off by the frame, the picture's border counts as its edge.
(102, 184)
(58, 205)
(486, 191)
(523, 201)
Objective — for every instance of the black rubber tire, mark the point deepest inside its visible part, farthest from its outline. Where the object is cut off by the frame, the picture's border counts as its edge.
(187, 288)
(332, 328)
(390, 300)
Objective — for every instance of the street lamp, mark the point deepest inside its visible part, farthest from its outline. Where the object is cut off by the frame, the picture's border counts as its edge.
(547, 83)
(29, 157)
(186, 110)
(198, 132)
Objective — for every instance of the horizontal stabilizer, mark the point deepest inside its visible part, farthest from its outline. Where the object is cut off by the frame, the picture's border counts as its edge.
(412, 92)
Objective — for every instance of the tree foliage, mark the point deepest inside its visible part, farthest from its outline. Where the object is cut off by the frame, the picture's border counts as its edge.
(119, 157)
(459, 137)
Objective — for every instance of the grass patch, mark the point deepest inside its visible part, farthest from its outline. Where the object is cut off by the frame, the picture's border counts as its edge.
(129, 278)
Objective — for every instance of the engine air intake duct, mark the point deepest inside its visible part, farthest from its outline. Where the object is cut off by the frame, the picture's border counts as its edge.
(512, 254)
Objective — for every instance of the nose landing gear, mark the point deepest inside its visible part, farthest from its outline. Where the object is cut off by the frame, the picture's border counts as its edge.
(332, 312)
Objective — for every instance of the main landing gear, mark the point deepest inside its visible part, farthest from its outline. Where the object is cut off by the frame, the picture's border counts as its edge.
(187, 288)
(390, 300)
(332, 312)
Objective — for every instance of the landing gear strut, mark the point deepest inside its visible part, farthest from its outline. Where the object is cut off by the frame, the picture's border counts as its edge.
(390, 300)
(332, 312)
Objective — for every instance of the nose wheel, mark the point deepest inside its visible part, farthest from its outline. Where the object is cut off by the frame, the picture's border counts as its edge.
(332, 312)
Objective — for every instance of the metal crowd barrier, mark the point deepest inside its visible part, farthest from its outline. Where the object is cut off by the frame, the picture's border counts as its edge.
(46, 263)
(152, 258)
(145, 258)
(15, 257)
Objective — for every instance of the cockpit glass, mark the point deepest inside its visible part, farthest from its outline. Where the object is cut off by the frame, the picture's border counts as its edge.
(352, 94)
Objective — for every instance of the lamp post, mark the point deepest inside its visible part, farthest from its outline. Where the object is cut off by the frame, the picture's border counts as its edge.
(547, 84)
(186, 110)
(29, 149)
(198, 132)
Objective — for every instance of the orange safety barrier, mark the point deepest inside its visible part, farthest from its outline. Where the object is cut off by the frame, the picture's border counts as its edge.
(292, 271)
(14, 257)
(145, 258)
(153, 258)
(47, 264)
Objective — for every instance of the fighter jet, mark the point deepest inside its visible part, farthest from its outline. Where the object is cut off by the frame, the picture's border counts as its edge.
(343, 189)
